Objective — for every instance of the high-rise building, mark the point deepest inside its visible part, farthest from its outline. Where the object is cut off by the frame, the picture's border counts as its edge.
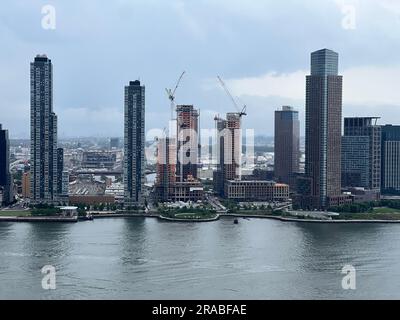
(26, 185)
(60, 169)
(390, 176)
(134, 143)
(323, 129)
(361, 153)
(5, 176)
(62, 178)
(114, 143)
(287, 145)
(64, 186)
(43, 133)
(99, 159)
(166, 168)
(188, 142)
(232, 146)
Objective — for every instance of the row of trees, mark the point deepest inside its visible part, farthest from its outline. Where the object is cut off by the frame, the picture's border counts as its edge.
(234, 207)
(200, 210)
(108, 207)
(366, 207)
(44, 209)
(51, 209)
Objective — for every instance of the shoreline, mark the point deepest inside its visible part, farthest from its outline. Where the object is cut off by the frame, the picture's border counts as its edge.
(217, 217)
(163, 218)
(286, 219)
(38, 219)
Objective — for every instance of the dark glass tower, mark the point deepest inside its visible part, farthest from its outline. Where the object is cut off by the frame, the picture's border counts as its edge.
(390, 160)
(5, 177)
(134, 143)
(323, 128)
(361, 153)
(287, 145)
(43, 133)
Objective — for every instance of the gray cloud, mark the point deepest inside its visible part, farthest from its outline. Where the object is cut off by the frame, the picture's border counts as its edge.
(98, 47)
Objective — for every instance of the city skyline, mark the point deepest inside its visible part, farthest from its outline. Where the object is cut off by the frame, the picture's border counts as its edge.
(185, 150)
(265, 76)
(322, 185)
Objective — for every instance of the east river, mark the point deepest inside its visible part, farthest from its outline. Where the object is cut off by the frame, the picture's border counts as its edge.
(138, 258)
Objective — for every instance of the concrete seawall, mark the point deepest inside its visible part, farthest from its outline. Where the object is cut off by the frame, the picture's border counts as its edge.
(189, 220)
(125, 215)
(39, 219)
(286, 219)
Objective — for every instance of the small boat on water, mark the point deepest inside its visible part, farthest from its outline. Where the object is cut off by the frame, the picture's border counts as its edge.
(89, 217)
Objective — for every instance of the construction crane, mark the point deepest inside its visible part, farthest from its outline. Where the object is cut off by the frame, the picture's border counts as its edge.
(241, 112)
(171, 94)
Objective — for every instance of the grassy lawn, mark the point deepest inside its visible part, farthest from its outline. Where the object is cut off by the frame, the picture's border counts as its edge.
(15, 213)
(386, 210)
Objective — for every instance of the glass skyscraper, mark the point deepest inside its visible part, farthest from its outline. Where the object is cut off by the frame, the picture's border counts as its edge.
(361, 153)
(5, 176)
(390, 160)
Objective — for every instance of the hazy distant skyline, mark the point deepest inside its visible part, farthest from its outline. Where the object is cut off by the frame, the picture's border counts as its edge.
(260, 48)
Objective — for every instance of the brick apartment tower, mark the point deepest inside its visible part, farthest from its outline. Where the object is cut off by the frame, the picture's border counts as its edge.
(166, 168)
(323, 129)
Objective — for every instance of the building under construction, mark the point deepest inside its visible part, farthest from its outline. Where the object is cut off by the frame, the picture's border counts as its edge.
(228, 182)
(188, 142)
(229, 144)
(177, 160)
(166, 168)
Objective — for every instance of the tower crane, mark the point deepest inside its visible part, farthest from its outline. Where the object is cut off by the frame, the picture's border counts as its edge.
(171, 94)
(241, 112)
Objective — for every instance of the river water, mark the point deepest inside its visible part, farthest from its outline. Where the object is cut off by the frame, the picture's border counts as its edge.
(140, 258)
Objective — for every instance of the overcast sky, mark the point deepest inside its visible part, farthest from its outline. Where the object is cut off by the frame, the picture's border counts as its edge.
(261, 48)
